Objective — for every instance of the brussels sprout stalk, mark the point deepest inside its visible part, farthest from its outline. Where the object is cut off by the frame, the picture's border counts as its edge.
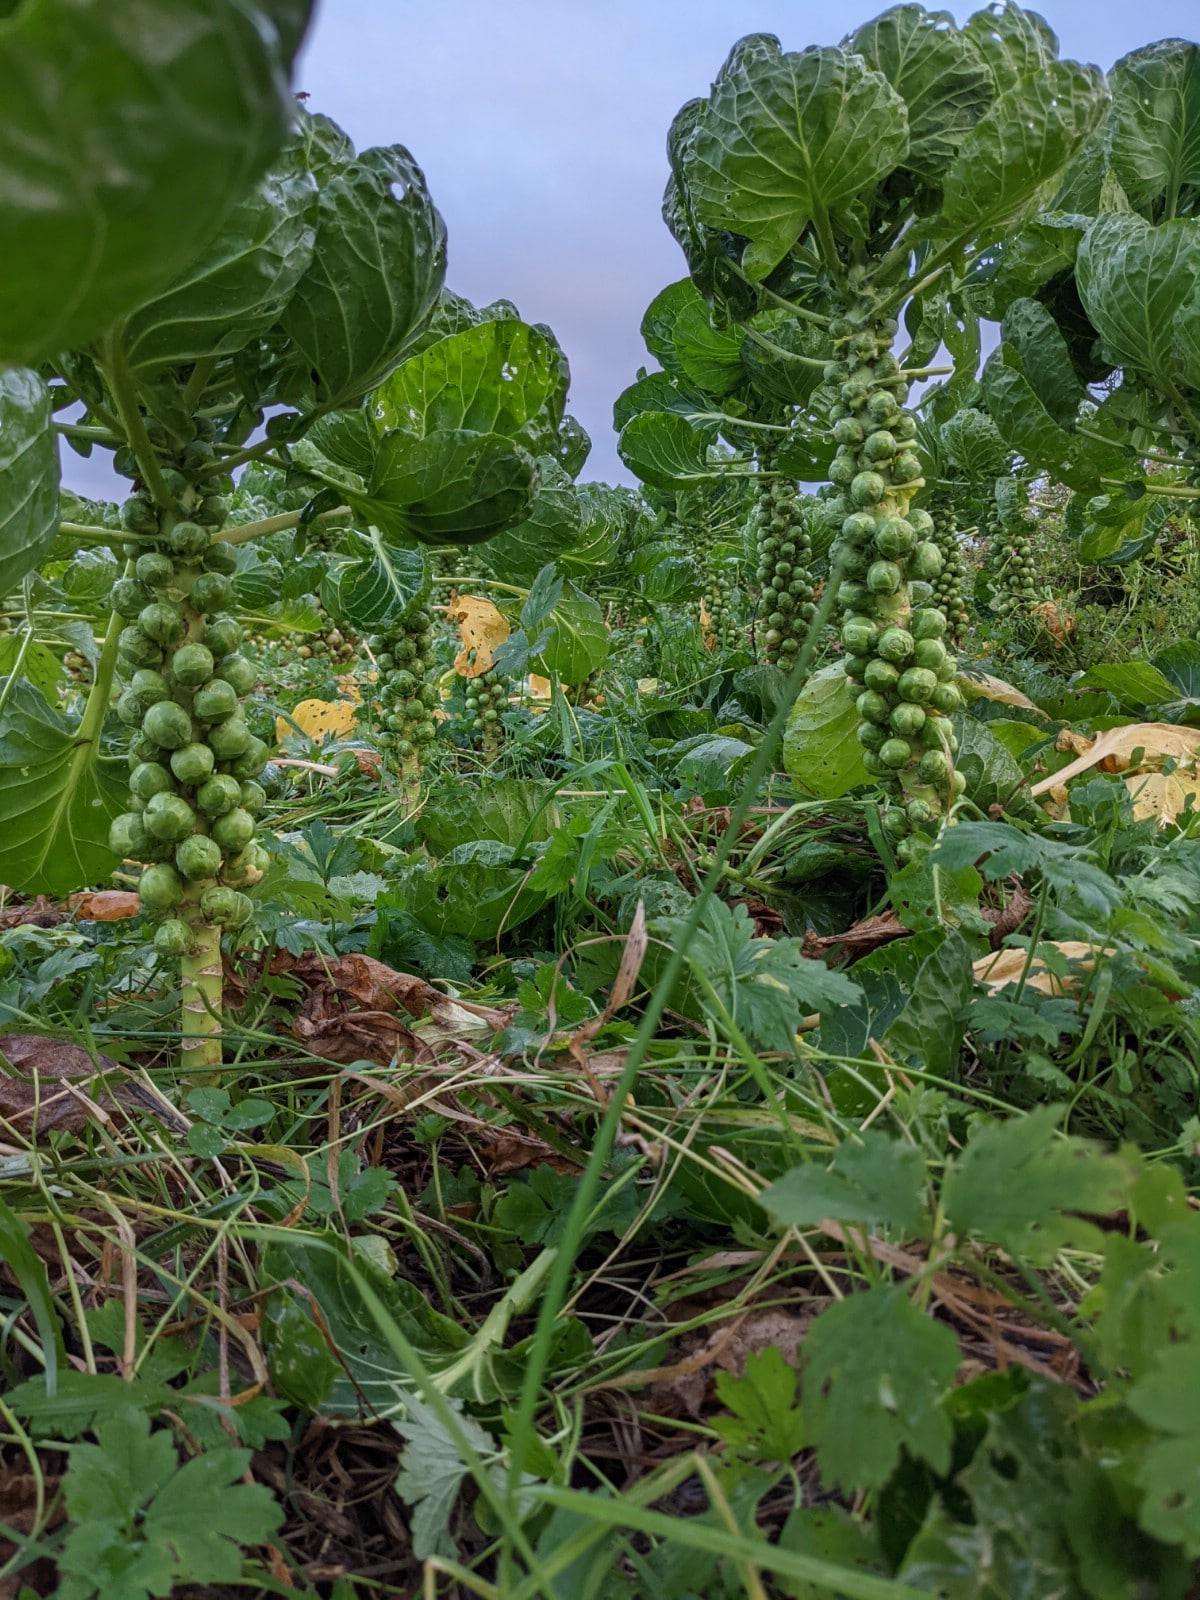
(896, 654)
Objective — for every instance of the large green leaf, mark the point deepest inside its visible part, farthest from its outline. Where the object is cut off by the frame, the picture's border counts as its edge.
(660, 391)
(664, 450)
(500, 377)
(1012, 43)
(1155, 143)
(820, 749)
(129, 133)
(936, 71)
(551, 530)
(1020, 263)
(1033, 433)
(58, 795)
(240, 284)
(375, 276)
(1022, 144)
(372, 584)
(1138, 283)
(451, 488)
(579, 640)
(789, 138)
(473, 892)
(780, 355)
(28, 474)
(1032, 332)
(679, 334)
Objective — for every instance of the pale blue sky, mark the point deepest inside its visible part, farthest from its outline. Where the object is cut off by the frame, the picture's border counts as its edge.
(541, 127)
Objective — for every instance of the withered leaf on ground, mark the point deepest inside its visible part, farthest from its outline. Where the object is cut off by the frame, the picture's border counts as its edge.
(50, 1086)
(358, 1009)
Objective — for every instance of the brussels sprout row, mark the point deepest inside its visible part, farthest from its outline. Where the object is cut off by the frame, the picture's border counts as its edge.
(406, 690)
(894, 637)
(721, 605)
(1014, 571)
(784, 551)
(485, 700)
(948, 586)
(194, 763)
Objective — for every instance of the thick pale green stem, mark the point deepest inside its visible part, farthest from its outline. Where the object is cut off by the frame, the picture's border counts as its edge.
(200, 968)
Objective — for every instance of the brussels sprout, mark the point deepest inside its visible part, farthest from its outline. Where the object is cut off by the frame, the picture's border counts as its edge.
(895, 537)
(229, 739)
(930, 653)
(958, 784)
(843, 468)
(852, 595)
(882, 407)
(155, 569)
(879, 446)
(934, 767)
(160, 888)
(233, 830)
(929, 624)
(847, 431)
(188, 539)
(172, 938)
(895, 644)
(917, 686)
(906, 719)
(143, 749)
(872, 763)
(219, 904)
(870, 735)
(926, 560)
(895, 753)
(858, 528)
(213, 511)
(212, 591)
(192, 664)
(131, 709)
(251, 761)
(884, 577)
(859, 635)
(906, 468)
(138, 514)
(254, 796)
(168, 817)
(215, 701)
(247, 867)
(895, 822)
(127, 836)
(138, 648)
(129, 596)
(193, 763)
(920, 813)
(198, 857)
(221, 558)
(219, 794)
(149, 778)
(222, 635)
(161, 622)
(855, 666)
(239, 673)
(872, 707)
(168, 725)
(880, 675)
(947, 698)
(922, 522)
(867, 489)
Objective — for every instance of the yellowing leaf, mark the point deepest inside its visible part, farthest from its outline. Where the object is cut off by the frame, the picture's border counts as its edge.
(539, 688)
(347, 685)
(482, 630)
(1115, 748)
(981, 686)
(1161, 795)
(319, 719)
(1006, 966)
